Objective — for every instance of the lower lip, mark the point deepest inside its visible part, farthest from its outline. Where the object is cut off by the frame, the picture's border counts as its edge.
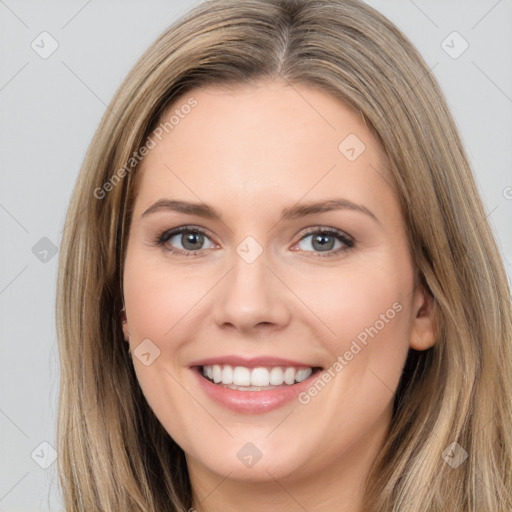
(253, 402)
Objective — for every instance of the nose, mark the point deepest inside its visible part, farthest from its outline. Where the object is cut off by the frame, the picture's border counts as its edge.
(252, 297)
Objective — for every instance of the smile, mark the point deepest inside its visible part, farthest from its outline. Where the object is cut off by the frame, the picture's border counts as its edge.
(253, 390)
(255, 379)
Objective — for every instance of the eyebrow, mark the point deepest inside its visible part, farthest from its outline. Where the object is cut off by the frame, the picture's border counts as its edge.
(293, 212)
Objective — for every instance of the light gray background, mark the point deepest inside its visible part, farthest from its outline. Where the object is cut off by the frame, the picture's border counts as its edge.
(49, 110)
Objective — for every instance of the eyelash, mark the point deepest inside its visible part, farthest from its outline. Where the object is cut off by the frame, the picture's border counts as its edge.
(162, 238)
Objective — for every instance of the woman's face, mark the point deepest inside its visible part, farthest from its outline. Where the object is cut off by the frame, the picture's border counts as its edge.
(257, 283)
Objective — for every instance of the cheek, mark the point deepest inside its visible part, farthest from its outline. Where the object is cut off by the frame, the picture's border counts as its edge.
(366, 310)
(157, 301)
(156, 298)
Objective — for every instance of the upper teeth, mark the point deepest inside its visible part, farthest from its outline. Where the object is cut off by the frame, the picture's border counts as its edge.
(260, 376)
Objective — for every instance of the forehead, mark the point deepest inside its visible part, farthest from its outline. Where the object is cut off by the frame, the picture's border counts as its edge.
(268, 139)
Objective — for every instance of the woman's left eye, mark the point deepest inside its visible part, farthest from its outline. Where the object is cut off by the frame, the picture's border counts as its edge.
(323, 240)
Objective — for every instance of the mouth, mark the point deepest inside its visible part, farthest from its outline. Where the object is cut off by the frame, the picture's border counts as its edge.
(260, 378)
(254, 385)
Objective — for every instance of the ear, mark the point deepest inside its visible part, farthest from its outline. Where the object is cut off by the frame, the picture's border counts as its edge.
(423, 328)
(125, 325)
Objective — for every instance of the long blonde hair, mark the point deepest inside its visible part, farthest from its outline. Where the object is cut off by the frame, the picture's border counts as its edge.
(114, 455)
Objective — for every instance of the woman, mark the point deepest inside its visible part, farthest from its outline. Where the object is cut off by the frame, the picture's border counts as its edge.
(277, 283)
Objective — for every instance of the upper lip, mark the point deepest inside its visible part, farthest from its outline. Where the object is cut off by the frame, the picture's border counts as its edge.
(252, 362)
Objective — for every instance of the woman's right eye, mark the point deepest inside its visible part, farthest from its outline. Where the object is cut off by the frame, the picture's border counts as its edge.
(190, 239)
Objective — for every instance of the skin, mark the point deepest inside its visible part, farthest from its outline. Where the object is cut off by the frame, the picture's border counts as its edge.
(249, 152)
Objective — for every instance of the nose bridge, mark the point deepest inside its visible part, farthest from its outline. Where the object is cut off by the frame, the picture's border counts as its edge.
(251, 294)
